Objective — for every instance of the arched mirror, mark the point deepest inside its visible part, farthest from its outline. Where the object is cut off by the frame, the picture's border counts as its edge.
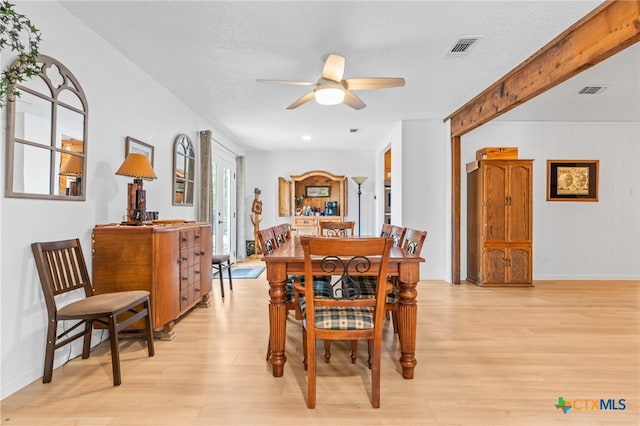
(47, 136)
(184, 160)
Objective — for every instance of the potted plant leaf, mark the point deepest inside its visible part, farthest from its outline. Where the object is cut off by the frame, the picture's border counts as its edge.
(22, 37)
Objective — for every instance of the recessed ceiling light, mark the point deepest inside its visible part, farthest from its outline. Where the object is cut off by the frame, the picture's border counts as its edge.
(306, 137)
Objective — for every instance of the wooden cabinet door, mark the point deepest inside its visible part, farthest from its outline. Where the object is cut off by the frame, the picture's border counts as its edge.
(165, 296)
(494, 193)
(493, 270)
(519, 265)
(518, 204)
(284, 197)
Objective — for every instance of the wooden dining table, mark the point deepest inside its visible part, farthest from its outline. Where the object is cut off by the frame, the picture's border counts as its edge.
(289, 260)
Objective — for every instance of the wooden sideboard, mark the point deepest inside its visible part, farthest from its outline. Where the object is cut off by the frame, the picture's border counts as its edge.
(171, 261)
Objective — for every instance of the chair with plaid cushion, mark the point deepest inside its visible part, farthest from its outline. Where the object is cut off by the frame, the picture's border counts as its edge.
(347, 314)
(412, 243)
(268, 240)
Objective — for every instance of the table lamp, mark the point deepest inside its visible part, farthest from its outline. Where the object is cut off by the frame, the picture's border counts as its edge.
(72, 166)
(138, 167)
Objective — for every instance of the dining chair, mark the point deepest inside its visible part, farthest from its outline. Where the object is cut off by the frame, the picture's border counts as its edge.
(281, 233)
(397, 233)
(267, 240)
(336, 229)
(222, 262)
(62, 270)
(413, 242)
(346, 314)
(268, 243)
(386, 230)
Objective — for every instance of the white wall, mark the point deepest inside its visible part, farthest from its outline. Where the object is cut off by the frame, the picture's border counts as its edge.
(123, 101)
(425, 172)
(575, 240)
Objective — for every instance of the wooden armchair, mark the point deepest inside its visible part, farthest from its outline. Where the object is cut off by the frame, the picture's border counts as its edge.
(62, 269)
(347, 314)
(336, 229)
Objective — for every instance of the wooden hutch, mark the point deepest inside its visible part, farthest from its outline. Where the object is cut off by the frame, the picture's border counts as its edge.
(307, 197)
(499, 219)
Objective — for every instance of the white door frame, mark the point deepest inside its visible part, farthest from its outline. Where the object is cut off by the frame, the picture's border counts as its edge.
(221, 157)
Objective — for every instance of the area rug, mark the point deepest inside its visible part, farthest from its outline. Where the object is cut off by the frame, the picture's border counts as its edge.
(242, 272)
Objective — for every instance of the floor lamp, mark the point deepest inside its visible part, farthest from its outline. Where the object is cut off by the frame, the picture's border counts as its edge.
(359, 180)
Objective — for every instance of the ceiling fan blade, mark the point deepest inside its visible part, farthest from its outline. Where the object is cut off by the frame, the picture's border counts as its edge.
(352, 100)
(373, 83)
(288, 82)
(333, 68)
(303, 100)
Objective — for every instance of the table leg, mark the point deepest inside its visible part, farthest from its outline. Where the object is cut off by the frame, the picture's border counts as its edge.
(277, 326)
(407, 317)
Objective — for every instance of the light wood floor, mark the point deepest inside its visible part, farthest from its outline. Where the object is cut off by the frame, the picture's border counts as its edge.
(485, 357)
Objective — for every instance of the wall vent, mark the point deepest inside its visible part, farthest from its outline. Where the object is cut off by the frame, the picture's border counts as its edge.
(592, 90)
(462, 45)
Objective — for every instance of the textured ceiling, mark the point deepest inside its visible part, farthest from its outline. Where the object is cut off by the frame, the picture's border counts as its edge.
(209, 54)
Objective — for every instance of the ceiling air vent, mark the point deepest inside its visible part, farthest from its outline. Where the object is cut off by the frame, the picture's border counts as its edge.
(461, 46)
(592, 90)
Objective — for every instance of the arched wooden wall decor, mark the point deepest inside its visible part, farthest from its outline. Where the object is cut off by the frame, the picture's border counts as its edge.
(608, 29)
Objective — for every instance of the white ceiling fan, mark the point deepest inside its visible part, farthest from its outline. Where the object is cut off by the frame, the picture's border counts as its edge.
(331, 89)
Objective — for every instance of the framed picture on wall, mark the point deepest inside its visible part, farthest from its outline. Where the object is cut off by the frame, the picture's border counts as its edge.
(572, 180)
(138, 147)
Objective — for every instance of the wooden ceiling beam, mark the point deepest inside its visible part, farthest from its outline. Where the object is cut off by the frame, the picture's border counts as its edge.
(608, 29)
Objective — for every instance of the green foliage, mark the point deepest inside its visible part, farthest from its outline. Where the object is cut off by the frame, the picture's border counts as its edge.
(14, 29)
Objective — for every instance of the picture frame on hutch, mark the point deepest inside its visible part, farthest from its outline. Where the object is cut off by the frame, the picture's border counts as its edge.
(317, 191)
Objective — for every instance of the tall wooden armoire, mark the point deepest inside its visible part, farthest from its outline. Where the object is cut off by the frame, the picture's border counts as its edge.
(499, 222)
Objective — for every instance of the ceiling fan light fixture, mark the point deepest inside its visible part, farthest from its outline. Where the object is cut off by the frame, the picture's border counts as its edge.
(329, 95)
